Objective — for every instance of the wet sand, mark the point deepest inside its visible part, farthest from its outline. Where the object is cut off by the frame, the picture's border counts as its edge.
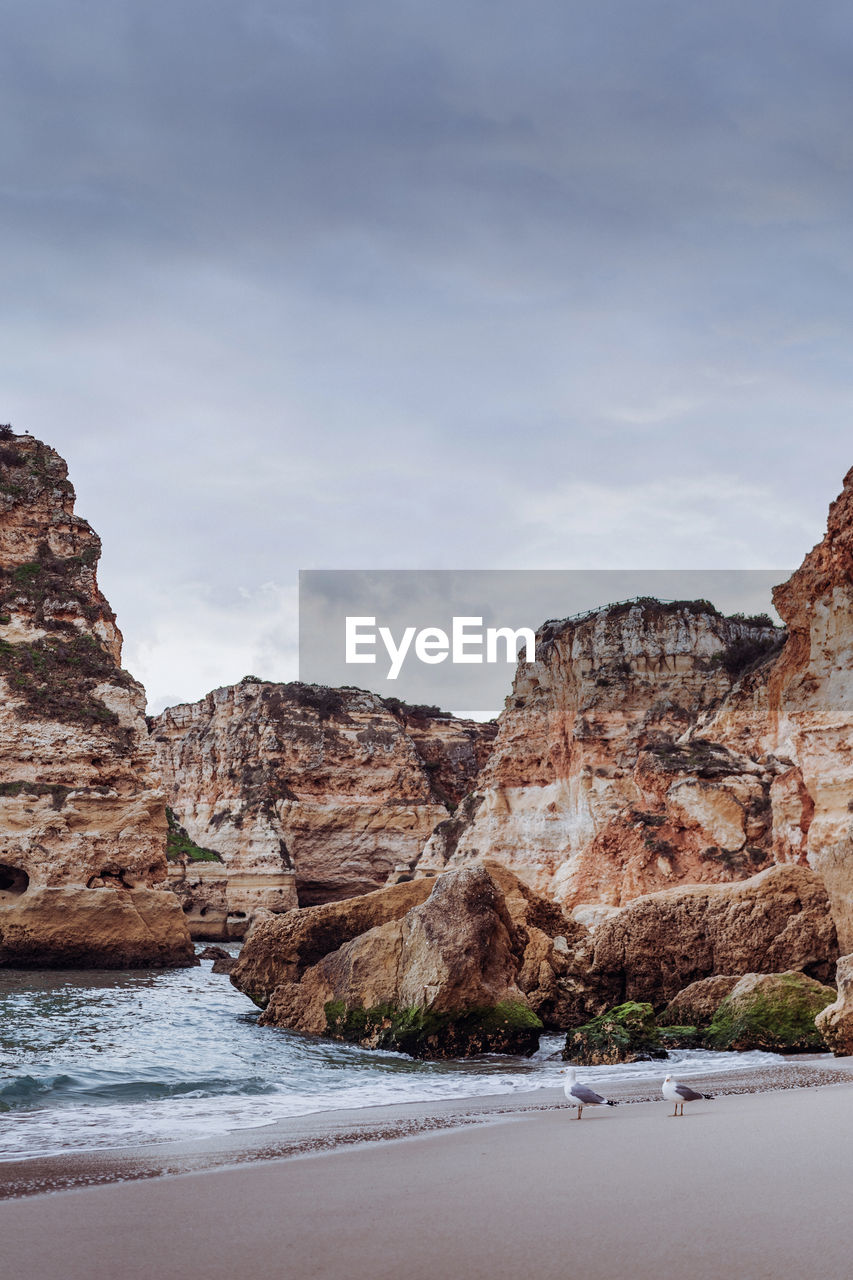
(752, 1184)
(330, 1130)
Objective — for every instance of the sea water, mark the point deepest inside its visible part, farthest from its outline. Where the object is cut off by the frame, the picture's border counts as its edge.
(92, 1060)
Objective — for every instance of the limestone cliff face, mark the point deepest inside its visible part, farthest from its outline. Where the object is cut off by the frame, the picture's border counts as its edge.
(307, 794)
(810, 699)
(78, 810)
(453, 751)
(590, 794)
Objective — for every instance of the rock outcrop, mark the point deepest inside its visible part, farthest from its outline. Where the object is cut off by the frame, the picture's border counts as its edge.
(663, 942)
(440, 982)
(696, 1005)
(589, 794)
(73, 928)
(473, 961)
(281, 947)
(307, 794)
(627, 1033)
(82, 824)
(774, 1012)
(811, 707)
(422, 966)
(835, 1022)
(655, 745)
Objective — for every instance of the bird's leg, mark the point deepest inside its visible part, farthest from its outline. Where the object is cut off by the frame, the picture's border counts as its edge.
(580, 1112)
(681, 1112)
(675, 1111)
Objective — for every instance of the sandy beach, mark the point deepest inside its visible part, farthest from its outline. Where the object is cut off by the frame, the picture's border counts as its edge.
(751, 1184)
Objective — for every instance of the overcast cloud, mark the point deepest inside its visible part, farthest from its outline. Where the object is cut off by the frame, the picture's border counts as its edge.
(334, 285)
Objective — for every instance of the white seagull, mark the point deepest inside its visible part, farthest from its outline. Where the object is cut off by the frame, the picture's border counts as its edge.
(681, 1093)
(582, 1095)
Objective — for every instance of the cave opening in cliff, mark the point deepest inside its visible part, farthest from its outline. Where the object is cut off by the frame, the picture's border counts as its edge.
(13, 880)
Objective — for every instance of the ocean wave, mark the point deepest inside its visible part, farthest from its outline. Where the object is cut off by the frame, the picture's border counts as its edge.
(128, 1059)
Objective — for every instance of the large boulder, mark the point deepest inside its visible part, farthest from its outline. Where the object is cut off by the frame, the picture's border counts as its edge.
(835, 1022)
(556, 955)
(627, 1033)
(438, 983)
(280, 948)
(771, 1011)
(772, 922)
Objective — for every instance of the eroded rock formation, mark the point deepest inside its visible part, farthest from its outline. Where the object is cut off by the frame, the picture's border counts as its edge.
(663, 942)
(82, 825)
(659, 745)
(697, 1003)
(775, 1012)
(470, 963)
(282, 947)
(422, 966)
(589, 794)
(811, 707)
(307, 794)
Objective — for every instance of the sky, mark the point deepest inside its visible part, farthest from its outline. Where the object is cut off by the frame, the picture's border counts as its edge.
(405, 285)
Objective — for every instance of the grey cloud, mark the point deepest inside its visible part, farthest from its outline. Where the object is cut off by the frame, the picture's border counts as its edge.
(326, 285)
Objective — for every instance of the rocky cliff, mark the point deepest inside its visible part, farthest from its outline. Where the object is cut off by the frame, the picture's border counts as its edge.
(592, 793)
(306, 794)
(82, 825)
(810, 696)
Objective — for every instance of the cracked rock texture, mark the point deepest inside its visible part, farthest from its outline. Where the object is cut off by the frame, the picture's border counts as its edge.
(835, 1023)
(663, 942)
(655, 745)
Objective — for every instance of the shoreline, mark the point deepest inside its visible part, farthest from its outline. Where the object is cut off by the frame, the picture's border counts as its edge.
(325, 1132)
(753, 1184)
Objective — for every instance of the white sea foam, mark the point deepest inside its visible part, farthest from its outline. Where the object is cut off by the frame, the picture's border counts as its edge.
(100, 1060)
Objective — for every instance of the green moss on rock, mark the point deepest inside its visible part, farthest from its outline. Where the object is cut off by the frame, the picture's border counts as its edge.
(680, 1038)
(179, 846)
(627, 1033)
(507, 1027)
(775, 1012)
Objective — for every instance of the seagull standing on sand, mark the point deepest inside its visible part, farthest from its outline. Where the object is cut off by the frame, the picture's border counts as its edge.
(681, 1093)
(581, 1095)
